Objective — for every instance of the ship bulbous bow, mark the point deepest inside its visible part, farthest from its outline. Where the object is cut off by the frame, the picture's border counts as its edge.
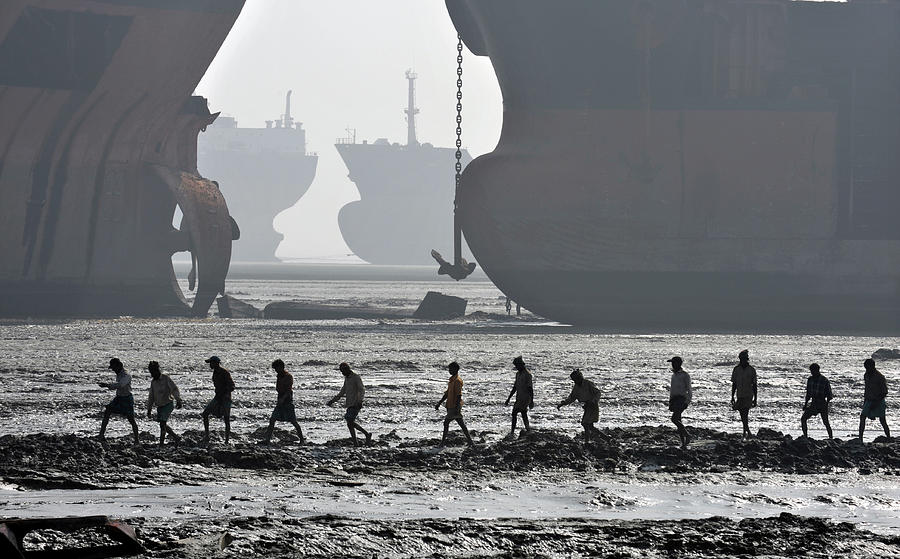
(98, 146)
(690, 164)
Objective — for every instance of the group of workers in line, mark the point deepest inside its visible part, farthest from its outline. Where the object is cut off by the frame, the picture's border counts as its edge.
(165, 397)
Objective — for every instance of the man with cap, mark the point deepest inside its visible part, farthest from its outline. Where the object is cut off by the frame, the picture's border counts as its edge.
(284, 406)
(874, 398)
(165, 396)
(818, 396)
(354, 391)
(123, 402)
(220, 405)
(679, 397)
(743, 390)
(453, 397)
(523, 389)
(588, 394)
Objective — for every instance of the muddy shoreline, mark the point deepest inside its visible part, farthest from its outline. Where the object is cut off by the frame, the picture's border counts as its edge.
(76, 462)
(786, 535)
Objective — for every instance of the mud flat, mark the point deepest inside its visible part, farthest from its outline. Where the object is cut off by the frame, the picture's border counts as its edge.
(76, 462)
(786, 535)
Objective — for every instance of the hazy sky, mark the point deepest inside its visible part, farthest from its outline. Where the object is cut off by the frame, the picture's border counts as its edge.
(345, 61)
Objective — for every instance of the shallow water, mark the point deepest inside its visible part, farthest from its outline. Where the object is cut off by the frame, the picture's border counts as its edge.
(49, 372)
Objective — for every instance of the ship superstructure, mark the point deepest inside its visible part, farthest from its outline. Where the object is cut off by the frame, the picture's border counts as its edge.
(261, 171)
(406, 191)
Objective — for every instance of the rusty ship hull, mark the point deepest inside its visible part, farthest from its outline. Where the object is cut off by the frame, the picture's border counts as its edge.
(691, 164)
(98, 144)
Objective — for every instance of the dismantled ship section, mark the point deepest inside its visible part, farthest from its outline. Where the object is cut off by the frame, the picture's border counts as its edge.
(691, 163)
(98, 144)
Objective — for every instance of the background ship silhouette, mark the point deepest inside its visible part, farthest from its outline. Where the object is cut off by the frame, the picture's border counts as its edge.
(406, 191)
(261, 172)
(691, 163)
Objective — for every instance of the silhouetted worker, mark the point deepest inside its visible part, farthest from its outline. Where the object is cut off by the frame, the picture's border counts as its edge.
(588, 394)
(453, 397)
(874, 404)
(679, 397)
(284, 406)
(123, 403)
(354, 391)
(220, 405)
(743, 386)
(457, 272)
(508, 306)
(818, 396)
(164, 395)
(523, 389)
(518, 309)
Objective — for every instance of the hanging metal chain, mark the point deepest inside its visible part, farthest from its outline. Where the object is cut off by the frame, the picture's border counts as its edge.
(457, 249)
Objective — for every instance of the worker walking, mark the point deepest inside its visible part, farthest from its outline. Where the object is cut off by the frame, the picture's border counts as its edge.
(523, 390)
(744, 390)
(818, 397)
(354, 391)
(220, 405)
(165, 397)
(587, 393)
(123, 403)
(679, 397)
(284, 406)
(453, 397)
(874, 398)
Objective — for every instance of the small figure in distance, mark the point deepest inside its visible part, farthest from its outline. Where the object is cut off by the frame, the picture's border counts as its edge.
(818, 397)
(874, 404)
(165, 396)
(220, 405)
(508, 306)
(354, 390)
(743, 385)
(123, 403)
(679, 397)
(284, 406)
(453, 397)
(588, 394)
(456, 271)
(523, 389)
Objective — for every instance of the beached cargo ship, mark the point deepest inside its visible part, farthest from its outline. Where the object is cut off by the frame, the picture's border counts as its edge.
(691, 163)
(261, 172)
(406, 195)
(98, 143)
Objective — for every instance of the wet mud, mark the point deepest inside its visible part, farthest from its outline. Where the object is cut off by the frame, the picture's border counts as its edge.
(786, 535)
(76, 462)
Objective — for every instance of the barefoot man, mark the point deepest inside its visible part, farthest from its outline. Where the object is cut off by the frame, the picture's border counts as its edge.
(679, 397)
(523, 389)
(123, 403)
(453, 397)
(743, 390)
(164, 395)
(284, 407)
(588, 394)
(874, 398)
(220, 405)
(354, 390)
(818, 396)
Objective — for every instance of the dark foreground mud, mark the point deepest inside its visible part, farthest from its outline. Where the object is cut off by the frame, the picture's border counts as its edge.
(73, 462)
(327, 536)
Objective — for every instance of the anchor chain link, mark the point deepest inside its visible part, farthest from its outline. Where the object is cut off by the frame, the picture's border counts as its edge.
(459, 107)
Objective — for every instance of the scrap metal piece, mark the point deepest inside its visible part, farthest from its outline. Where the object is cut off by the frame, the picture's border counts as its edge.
(14, 530)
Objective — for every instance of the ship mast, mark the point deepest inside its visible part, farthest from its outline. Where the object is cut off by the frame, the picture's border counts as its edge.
(411, 110)
(288, 119)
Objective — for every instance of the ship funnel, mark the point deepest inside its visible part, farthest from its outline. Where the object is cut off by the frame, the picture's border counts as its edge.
(288, 119)
(411, 110)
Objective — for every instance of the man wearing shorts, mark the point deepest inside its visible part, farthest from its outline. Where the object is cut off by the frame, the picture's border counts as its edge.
(453, 397)
(588, 394)
(679, 397)
(354, 391)
(743, 390)
(523, 390)
(164, 395)
(284, 406)
(818, 397)
(123, 403)
(874, 399)
(220, 405)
